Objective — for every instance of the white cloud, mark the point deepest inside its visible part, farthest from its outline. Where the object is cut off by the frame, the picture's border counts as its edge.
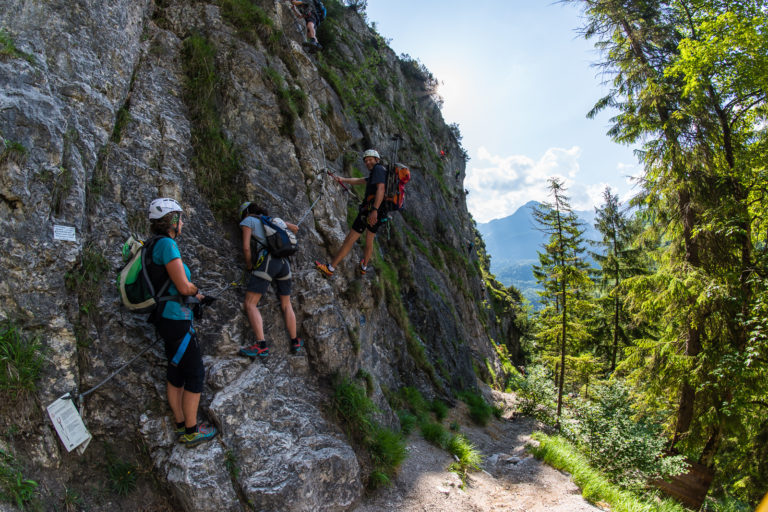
(508, 182)
(499, 185)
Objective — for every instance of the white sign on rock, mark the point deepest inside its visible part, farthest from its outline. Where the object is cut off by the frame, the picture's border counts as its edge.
(68, 423)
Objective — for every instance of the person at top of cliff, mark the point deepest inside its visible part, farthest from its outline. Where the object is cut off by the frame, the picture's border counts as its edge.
(173, 321)
(306, 9)
(265, 269)
(371, 214)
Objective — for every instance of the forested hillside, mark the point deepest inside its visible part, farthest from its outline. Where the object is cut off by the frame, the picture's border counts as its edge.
(665, 337)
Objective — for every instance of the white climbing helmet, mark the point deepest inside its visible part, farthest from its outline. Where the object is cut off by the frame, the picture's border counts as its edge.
(162, 206)
(371, 152)
(244, 207)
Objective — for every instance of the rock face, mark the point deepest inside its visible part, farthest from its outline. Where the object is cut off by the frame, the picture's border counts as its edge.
(103, 107)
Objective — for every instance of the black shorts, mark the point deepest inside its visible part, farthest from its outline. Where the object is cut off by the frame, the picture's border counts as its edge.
(190, 372)
(311, 17)
(361, 222)
(271, 270)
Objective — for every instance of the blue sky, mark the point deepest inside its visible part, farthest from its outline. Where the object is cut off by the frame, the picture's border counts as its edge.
(518, 79)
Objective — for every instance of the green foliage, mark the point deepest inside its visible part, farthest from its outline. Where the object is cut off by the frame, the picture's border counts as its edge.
(85, 281)
(596, 488)
(434, 433)
(407, 421)
(231, 463)
(412, 399)
(368, 379)
(122, 476)
(291, 100)
(217, 162)
(123, 118)
(21, 360)
(355, 410)
(8, 49)
(61, 185)
(14, 488)
(354, 82)
(479, 410)
(562, 273)
(627, 447)
(537, 395)
(688, 82)
(439, 408)
(387, 449)
(466, 453)
(13, 152)
(72, 500)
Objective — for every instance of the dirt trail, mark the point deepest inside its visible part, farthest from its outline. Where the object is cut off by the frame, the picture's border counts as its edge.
(511, 480)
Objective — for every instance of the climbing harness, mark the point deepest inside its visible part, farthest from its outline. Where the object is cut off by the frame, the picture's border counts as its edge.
(182, 347)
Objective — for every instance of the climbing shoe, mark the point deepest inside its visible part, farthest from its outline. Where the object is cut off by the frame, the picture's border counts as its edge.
(204, 433)
(324, 269)
(363, 267)
(258, 349)
(296, 345)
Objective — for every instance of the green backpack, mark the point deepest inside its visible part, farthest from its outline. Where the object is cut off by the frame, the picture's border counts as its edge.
(137, 291)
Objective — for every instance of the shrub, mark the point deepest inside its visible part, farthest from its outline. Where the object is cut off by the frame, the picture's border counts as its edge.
(628, 447)
(536, 394)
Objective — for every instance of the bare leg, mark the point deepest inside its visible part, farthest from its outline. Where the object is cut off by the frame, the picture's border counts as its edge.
(254, 316)
(368, 253)
(310, 30)
(349, 242)
(189, 402)
(174, 400)
(288, 315)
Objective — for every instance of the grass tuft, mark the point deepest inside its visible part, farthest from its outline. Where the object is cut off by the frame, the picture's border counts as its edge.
(385, 447)
(14, 488)
(21, 360)
(479, 410)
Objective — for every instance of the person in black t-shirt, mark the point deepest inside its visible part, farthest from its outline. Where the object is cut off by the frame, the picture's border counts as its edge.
(369, 217)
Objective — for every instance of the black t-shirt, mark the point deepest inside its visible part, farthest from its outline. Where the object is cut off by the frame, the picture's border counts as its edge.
(378, 175)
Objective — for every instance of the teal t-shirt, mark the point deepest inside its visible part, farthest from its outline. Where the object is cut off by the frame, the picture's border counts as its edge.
(167, 250)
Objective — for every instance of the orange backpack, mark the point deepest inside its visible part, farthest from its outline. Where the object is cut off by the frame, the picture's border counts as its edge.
(397, 176)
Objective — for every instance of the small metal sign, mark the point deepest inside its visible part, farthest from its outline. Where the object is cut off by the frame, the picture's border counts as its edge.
(64, 233)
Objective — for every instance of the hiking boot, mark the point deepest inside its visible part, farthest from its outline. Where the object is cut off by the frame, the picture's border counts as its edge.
(205, 433)
(258, 349)
(296, 345)
(323, 268)
(179, 431)
(363, 267)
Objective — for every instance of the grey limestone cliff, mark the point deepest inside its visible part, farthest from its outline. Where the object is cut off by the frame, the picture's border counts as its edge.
(105, 105)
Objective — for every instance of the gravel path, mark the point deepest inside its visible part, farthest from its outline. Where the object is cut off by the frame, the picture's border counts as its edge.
(511, 480)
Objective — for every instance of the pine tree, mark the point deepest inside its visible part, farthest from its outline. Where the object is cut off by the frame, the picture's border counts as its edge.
(620, 258)
(563, 274)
